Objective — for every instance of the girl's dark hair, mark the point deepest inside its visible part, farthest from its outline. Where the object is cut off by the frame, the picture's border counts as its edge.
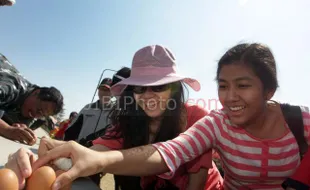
(132, 125)
(256, 56)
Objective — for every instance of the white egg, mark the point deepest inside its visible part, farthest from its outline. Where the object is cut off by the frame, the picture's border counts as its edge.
(64, 164)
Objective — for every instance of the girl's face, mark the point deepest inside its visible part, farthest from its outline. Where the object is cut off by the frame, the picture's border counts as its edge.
(241, 94)
(153, 100)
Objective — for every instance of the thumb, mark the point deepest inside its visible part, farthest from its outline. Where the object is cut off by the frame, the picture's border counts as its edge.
(64, 179)
(67, 187)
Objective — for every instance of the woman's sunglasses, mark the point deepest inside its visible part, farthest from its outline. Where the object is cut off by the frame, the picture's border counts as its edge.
(142, 89)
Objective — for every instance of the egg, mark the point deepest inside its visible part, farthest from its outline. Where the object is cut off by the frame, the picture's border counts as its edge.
(8, 179)
(64, 164)
(42, 178)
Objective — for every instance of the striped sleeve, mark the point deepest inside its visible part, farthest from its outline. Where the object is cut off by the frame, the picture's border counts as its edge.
(188, 145)
(306, 121)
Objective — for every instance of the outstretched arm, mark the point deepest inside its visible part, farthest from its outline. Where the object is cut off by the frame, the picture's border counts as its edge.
(165, 157)
(140, 161)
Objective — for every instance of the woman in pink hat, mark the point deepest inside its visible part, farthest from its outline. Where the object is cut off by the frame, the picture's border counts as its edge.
(151, 108)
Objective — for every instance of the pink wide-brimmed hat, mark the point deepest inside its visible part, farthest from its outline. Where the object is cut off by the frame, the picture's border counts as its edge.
(153, 66)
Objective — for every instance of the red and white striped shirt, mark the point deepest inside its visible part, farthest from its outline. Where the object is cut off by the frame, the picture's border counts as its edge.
(248, 162)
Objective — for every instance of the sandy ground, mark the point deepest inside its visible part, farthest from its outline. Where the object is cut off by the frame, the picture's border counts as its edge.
(107, 182)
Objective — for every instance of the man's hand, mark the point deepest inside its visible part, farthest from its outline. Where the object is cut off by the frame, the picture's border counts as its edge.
(21, 163)
(20, 133)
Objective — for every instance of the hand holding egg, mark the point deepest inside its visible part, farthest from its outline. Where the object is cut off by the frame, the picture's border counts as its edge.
(85, 162)
(43, 178)
(20, 163)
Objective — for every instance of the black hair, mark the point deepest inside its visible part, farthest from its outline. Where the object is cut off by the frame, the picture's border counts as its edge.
(256, 56)
(131, 124)
(51, 94)
(124, 72)
(105, 81)
(72, 114)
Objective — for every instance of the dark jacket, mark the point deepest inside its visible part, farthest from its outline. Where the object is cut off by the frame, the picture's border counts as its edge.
(14, 89)
(92, 118)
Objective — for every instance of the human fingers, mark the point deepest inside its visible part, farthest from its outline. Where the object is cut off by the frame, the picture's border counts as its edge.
(24, 136)
(30, 132)
(19, 162)
(23, 159)
(64, 179)
(47, 144)
(50, 155)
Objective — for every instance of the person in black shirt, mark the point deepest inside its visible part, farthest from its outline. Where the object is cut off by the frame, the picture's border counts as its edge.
(21, 102)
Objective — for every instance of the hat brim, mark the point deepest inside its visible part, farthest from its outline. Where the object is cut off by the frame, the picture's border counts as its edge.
(118, 88)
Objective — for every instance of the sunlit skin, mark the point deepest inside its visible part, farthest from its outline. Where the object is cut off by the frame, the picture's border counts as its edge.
(33, 107)
(154, 104)
(244, 99)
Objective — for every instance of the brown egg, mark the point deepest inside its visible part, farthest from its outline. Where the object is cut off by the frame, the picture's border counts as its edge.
(42, 178)
(8, 180)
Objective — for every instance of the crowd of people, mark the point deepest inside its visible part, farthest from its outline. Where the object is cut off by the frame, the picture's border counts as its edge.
(144, 132)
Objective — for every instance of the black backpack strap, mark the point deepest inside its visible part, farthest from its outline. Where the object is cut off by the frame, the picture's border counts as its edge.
(87, 140)
(74, 129)
(294, 119)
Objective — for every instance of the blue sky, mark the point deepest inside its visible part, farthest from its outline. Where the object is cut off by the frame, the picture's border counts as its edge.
(68, 43)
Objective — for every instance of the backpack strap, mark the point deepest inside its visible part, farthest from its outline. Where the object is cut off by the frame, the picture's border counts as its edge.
(87, 140)
(294, 119)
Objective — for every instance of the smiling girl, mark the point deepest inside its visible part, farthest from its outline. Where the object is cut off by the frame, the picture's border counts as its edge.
(255, 144)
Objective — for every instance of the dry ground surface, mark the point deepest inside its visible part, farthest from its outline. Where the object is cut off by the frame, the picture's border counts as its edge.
(107, 182)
